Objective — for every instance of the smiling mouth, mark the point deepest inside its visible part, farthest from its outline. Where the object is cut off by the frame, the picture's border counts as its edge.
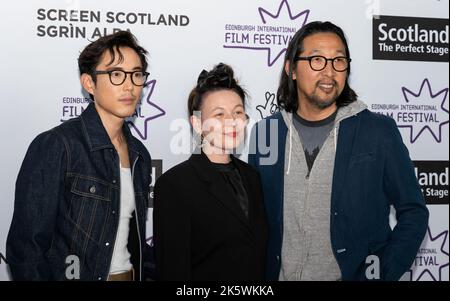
(327, 87)
(232, 134)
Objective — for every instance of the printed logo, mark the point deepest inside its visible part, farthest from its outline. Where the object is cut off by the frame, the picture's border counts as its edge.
(431, 263)
(72, 22)
(270, 107)
(2, 259)
(145, 112)
(73, 267)
(156, 173)
(73, 107)
(272, 35)
(410, 39)
(425, 111)
(433, 180)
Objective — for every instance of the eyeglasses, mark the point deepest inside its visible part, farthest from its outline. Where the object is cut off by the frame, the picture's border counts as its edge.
(318, 62)
(118, 77)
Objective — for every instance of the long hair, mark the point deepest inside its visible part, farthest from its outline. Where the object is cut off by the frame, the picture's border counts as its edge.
(287, 96)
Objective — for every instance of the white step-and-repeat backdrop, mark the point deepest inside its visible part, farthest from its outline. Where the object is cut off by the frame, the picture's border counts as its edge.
(400, 55)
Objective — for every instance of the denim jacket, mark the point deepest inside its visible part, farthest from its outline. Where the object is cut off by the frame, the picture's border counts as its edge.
(67, 202)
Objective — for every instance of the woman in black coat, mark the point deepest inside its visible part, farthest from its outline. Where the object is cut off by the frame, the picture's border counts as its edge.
(209, 219)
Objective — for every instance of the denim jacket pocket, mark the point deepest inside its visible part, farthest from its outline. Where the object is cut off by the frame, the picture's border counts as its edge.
(91, 187)
(91, 199)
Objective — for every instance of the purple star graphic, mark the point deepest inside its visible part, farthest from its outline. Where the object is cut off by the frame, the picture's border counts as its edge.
(160, 112)
(271, 59)
(408, 93)
(431, 238)
(263, 12)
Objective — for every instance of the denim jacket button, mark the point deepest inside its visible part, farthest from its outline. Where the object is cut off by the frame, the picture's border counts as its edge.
(114, 181)
(107, 244)
(92, 189)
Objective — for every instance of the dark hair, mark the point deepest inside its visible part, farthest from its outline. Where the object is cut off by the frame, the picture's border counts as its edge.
(221, 77)
(91, 55)
(287, 96)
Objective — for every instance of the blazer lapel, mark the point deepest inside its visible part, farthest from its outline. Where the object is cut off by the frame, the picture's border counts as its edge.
(218, 188)
(346, 137)
(251, 194)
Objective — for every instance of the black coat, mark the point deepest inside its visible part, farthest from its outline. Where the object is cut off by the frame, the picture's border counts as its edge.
(200, 232)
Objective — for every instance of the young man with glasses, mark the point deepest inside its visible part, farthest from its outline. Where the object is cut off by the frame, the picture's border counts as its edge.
(81, 193)
(330, 170)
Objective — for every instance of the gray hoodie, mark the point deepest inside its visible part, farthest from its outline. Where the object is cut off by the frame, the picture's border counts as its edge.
(306, 250)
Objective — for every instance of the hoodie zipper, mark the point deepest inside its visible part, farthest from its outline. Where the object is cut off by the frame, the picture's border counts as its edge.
(308, 175)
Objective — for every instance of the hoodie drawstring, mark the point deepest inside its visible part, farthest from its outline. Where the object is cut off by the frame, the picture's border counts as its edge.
(290, 146)
(335, 138)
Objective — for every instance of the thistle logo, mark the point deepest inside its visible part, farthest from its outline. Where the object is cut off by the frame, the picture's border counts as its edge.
(424, 111)
(272, 35)
(145, 112)
(431, 262)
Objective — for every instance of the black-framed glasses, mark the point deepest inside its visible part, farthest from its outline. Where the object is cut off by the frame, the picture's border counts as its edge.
(319, 62)
(118, 77)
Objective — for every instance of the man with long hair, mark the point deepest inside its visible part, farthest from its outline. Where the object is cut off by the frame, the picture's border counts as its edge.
(331, 171)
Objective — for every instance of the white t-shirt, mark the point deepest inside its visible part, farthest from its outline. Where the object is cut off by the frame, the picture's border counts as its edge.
(121, 257)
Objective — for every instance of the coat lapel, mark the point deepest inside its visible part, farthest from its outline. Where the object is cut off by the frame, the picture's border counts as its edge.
(251, 194)
(347, 132)
(218, 188)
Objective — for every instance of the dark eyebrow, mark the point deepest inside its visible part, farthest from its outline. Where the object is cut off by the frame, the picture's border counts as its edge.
(316, 51)
(121, 69)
